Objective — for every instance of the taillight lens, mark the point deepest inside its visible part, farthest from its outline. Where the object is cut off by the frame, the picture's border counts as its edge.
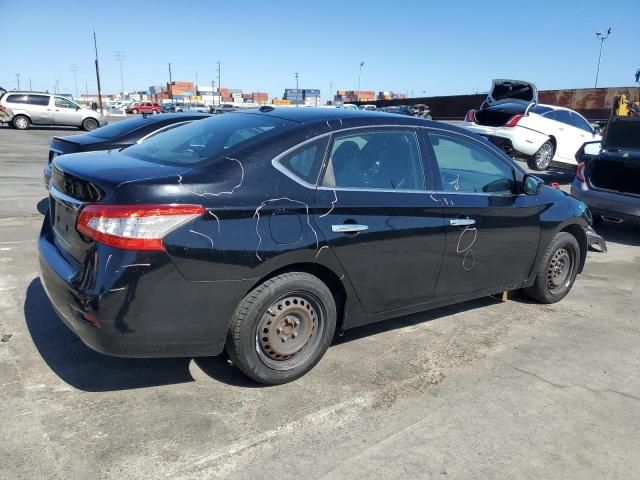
(470, 116)
(513, 121)
(134, 227)
(580, 172)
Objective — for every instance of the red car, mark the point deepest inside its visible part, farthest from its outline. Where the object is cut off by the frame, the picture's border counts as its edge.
(144, 107)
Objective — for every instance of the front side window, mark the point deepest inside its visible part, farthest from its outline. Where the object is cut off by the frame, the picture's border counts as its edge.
(62, 102)
(469, 168)
(563, 116)
(579, 122)
(384, 160)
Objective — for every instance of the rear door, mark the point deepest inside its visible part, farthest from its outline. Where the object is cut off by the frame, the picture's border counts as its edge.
(375, 211)
(492, 233)
(40, 109)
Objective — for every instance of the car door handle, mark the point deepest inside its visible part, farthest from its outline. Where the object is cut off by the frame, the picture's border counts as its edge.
(349, 228)
(462, 222)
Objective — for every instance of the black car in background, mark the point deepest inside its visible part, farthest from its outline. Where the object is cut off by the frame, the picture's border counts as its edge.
(264, 232)
(116, 135)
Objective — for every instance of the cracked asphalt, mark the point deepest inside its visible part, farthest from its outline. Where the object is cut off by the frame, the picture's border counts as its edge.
(483, 389)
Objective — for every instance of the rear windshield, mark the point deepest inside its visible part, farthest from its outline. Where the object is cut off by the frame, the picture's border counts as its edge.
(116, 129)
(623, 135)
(540, 109)
(208, 139)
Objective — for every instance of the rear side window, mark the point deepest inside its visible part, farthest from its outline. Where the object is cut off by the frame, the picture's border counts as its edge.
(208, 140)
(469, 168)
(306, 161)
(17, 99)
(42, 100)
(379, 160)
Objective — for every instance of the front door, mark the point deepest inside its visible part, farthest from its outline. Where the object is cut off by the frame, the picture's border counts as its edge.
(374, 211)
(65, 112)
(492, 232)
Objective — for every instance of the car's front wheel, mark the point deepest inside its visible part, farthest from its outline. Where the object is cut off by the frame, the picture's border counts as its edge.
(134, 111)
(89, 124)
(557, 271)
(542, 158)
(282, 328)
(21, 122)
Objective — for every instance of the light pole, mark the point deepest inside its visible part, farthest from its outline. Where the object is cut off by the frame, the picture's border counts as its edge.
(95, 45)
(74, 69)
(219, 84)
(121, 57)
(170, 84)
(359, 77)
(18, 77)
(297, 89)
(602, 37)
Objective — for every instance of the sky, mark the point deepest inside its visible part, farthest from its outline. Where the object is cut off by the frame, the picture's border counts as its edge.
(425, 47)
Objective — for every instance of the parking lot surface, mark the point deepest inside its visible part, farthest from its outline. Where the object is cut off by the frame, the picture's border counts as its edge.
(484, 389)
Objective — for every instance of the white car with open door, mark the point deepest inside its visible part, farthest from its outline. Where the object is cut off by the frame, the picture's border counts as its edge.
(512, 119)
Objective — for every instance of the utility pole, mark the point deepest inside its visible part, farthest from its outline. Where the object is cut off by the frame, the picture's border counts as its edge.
(74, 69)
(331, 92)
(359, 77)
(219, 84)
(170, 84)
(18, 77)
(602, 37)
(95, 44)
(196, 85)
(213, 92)
(297, 89)
(30, 88)
(121, 57)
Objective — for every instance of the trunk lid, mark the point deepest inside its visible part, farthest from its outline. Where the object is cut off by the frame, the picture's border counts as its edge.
(511, 91)
(622, 133)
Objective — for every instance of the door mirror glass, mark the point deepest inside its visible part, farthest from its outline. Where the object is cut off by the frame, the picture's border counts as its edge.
(588, 151)
(532, 185)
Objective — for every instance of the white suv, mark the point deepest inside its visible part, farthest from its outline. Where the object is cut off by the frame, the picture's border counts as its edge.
(30, 108)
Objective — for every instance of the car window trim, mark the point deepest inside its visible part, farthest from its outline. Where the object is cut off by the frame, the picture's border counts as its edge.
(517, 173)
(276, 161)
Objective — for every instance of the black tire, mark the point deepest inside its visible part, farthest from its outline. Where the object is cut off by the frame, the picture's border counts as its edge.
(89, 124)
(21, 122)
(541, 160)
(557, 270)
(293, 307)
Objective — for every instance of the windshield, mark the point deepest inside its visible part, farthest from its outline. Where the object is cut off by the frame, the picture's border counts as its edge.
(207, 139)
(117, 129)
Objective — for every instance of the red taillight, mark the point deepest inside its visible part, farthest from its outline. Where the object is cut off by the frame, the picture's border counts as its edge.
(134, 227)
(580, 172)
(470, 116)
(513, 121)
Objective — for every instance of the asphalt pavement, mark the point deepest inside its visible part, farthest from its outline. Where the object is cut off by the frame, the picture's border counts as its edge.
(483, 389)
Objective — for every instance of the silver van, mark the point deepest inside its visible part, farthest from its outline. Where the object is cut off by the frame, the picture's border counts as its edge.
(31, 108)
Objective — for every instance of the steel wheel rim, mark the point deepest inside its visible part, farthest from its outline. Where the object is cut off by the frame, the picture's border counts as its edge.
(543, 157)
(290, 330)
(560, 271)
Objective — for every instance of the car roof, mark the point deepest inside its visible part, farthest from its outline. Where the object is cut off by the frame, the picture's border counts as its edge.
(316, 114)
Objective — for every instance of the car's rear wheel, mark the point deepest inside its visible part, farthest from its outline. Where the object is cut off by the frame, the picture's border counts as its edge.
(134, 111)
(21, 122)
(542, 158)
(282, 328)
(89, 124)
(557, 271)
(155, 111)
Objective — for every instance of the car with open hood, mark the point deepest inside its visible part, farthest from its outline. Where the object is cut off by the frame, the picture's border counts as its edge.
(512, 119)
(608, 174)
(265, 232)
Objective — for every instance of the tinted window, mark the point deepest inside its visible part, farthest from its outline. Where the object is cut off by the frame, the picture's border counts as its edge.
(17, 99)
(623, 134)
(552, 115)
(306, 161)
(207, 140)
(540, 109)
(579, 122)
(116, 129)
(467, 167)
(375, 160)
(563, 116)
(42, 100)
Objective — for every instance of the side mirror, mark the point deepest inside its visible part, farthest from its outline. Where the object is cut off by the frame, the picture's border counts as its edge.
(597, 129)
(532, 185)
(588, 151)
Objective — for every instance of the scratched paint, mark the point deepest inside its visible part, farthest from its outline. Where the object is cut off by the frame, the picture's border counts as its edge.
(466, 241)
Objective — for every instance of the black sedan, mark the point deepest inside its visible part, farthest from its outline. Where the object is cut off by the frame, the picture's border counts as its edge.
(264, 232)
(115, 135)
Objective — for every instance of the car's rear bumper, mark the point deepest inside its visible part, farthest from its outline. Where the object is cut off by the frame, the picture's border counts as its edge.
(136, 304)
(522, 140)
(611, 206)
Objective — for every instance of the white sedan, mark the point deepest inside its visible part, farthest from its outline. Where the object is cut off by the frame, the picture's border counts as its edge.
(511, 118)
